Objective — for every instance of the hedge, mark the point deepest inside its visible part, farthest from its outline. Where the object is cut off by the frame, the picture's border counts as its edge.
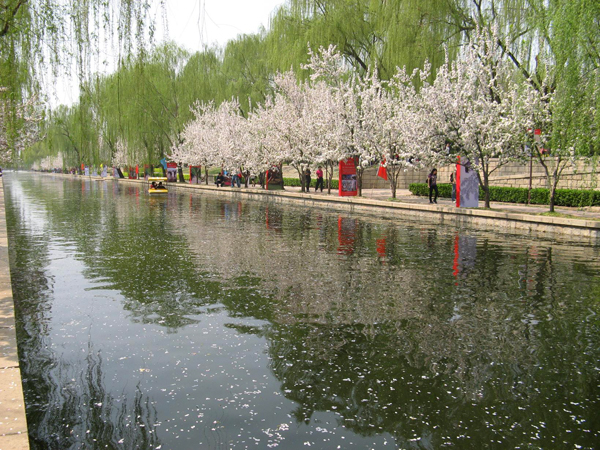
(539, 196)
(313, 182)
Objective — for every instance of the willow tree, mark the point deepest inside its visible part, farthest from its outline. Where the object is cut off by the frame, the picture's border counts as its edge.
(201, 80)
(381, 35)
(42, 39)
(555, 45)
(569, 70)
(140, 104)
(246, 71)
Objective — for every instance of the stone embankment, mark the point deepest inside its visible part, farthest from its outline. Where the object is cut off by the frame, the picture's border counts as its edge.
(584, 225)
(13, 423)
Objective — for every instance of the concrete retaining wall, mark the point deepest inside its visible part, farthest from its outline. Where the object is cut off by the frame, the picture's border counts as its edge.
(13, 423)
(552, 227)
(515, 174)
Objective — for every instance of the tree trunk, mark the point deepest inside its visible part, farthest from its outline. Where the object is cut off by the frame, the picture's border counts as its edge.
(486, 196)
(554, 185)
(393, 172)
(300, 176)
(329, 172)
(206, 175)
(359, 180)
(552, 195)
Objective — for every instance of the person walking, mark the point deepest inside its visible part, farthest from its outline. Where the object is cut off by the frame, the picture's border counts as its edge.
(307, 179)
(236, 180)
(453, 182)
(432, 183)
(319, 173)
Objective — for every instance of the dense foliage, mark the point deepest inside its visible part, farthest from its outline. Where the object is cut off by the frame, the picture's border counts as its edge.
(540, 71)
(41, 41)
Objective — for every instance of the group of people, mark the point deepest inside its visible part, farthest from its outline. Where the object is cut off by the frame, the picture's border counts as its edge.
(157, 186)
(236, 179)
(308, 179)
(433, 189)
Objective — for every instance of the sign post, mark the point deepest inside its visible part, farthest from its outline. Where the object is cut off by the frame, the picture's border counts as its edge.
(172, 172)
(467, 185)
(348, 185)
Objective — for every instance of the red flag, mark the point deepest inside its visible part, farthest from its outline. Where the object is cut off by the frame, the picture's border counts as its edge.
(382, 171)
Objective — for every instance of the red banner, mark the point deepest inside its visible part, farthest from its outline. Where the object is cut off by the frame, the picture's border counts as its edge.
(458, 181)
(382, 171)
(348, 184)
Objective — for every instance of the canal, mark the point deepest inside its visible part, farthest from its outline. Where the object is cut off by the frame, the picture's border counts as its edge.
(204, 321)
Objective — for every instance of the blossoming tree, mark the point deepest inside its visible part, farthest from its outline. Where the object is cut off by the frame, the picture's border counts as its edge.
(479, 106)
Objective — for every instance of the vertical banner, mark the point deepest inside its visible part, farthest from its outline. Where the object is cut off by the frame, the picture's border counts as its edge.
(195, 174)
(274, 179)
(172, 172)
(348, 185)
(467, 185)
(382, 171)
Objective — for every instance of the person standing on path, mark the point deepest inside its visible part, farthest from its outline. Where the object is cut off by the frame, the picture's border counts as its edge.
(432, 183)
(307, 179)
(319, 173)
(453, 182)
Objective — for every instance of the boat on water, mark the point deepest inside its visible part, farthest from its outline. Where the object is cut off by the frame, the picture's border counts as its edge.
(157, 185)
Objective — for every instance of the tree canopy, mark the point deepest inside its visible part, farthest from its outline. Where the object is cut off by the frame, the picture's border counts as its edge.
(154, 93)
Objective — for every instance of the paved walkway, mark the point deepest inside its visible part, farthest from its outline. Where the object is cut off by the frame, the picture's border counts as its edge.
(405, 196)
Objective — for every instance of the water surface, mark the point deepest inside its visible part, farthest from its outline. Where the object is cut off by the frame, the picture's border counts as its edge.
(198, 321)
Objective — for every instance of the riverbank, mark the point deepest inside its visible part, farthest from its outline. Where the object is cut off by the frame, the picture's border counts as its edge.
(13, 422)
(580, 224)
(508, 217)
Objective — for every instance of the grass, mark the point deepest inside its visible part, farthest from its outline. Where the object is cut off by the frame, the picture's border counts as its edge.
(565, 216)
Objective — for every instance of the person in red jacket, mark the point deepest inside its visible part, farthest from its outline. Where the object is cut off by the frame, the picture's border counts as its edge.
(319, 174)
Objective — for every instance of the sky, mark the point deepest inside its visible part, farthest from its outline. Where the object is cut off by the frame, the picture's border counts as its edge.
(197, 23)
(194, 25)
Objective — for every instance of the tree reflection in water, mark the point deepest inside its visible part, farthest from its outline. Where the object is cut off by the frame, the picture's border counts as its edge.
(80, 413)
(424, 352)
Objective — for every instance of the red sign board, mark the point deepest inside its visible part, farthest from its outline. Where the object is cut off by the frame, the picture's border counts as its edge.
(348, 183)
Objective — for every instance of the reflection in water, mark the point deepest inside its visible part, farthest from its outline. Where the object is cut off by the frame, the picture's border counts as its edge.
(346, 235)
(184, 322)
(465, 254)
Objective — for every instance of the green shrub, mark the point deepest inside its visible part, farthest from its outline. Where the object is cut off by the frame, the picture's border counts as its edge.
(539, 196)
(313, 183)
(445, 190)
